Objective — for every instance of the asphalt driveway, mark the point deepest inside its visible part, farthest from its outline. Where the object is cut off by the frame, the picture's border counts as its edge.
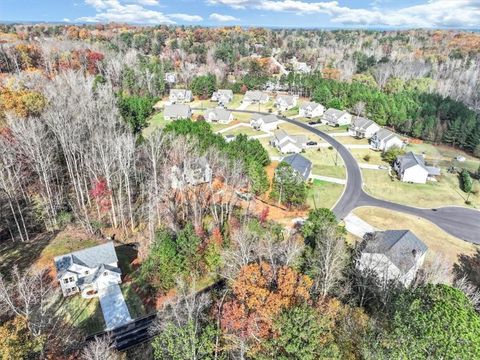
(114, 308)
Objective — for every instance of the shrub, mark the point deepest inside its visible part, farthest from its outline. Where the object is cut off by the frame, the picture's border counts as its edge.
(367, 158)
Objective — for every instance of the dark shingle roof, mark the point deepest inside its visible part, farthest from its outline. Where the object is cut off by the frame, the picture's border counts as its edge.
(402, 247)
(410, 159)
(299, 164)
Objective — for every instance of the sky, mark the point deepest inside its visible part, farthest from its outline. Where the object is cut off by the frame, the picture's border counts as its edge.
(268, 13)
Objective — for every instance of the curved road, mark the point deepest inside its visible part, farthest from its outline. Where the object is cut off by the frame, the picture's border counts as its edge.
(460, 222)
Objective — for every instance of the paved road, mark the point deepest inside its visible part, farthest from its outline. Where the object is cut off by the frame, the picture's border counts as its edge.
(458, 221)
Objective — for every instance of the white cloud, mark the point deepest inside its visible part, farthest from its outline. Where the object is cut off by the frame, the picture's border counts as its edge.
(66, 20)
(222, 18)
(186, 17)
(433, 13)
(132, 11)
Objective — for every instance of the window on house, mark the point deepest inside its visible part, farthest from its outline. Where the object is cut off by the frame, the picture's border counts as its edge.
(65, 281)
(87, 272)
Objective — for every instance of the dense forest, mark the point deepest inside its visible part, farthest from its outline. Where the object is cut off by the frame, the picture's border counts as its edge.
(225, 280)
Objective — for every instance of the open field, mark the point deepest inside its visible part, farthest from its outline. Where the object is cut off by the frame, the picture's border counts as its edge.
(437, 240)
(326, 163)
(322, 194)
(432, 194)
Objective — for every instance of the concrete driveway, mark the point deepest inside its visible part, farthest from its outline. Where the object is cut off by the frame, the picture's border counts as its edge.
(114, 308)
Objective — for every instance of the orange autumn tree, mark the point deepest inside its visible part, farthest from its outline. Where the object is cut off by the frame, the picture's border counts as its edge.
(260, 293)
(22, 102)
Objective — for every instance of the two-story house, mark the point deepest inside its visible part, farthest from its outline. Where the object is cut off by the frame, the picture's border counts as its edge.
(384, 140)
(334, 117)
(363, 128)
(180, 96)
(311, 110)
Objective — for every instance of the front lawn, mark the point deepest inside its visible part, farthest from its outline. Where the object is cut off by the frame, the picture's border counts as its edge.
(246, 130)
(156, 121)
(432, 194)
(437, 240)
(375, 157)
(269, 105)
(84, 314)
(322, 194)
(326, 162)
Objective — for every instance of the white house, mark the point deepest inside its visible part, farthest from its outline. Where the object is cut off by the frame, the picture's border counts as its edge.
(265, 122)
(363, 128)
(177, 111)
(392, 255)
(334, 117)
(411, 168)
(311, 110)
(218, 115)
(222, 96)
(180, 96)
(384, 140)
(191, 172)
(89, 270)
(288, 144)
(285, 102)
(255, 97)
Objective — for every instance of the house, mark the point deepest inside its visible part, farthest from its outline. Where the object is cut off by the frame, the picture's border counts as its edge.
(384, 140)
(229, 138)
(363, 128)
(286, 143)
(334, 117)
(222, 96)
(286, 102)
(301, 165)
(171, 78)
(89, 270)
(255, 97)
(180, 96)
(191, 172)
(300, 67)
(411, 168)
(392, 255)
(219, 115)
(265, 122)
(177, 111)
(311, 110)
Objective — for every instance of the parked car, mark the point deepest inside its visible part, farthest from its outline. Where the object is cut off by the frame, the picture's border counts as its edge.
(312, 123)
(312, 143)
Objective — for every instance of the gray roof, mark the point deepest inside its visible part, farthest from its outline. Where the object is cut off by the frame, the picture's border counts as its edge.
(384, 134)
(224, 92)
(299, 164)
(310, 104)
(411, 159)
(183, 92)
(94, 276)
(332, 115)
(91, 257)
(220, 113)
(362, 123)
(267, 119)
(288, 99)
(401, 247)
(255, 95)
(281, 134)
(177, 110)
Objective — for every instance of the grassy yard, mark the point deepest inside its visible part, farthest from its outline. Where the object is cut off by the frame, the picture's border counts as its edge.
(331, 129)
(155, 122)
(292, 112)
(246, 130)
(272, 151)
(432, 194)
(322, 194)
(323, 161)
(375, 157)
(350, 140)
(437, 240)
(263, 107)
(235, 103)
(83, 314)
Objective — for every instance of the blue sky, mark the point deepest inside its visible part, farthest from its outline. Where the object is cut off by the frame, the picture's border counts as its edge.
(280, 13)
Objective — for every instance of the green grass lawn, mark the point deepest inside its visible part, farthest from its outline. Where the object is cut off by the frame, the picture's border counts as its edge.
(432, 194)
(155, 122)
(242, 117)
(323, 161)
(322, 194)
(291, 112)
(83, 314)
(236, 101)
(263, 107)
(375, 156)
(331, 129)
(136, 308)
(349, 140)
(272, 151)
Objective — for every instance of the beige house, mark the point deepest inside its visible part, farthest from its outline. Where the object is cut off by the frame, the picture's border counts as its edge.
(363, 128)
(288, 144)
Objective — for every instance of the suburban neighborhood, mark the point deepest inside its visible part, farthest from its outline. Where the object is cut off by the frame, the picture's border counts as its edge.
(180, 181)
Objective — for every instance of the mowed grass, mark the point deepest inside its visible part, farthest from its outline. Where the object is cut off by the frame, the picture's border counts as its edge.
(326, 163)
(84, 314)
(322, 194)
(246, 130)
(235, 103)
(374, 157)
(437, 240)
(269, 105)
(432, 194)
